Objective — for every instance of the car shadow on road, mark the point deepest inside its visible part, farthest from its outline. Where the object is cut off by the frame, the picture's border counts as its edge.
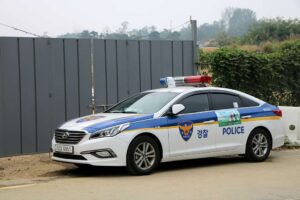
(200, 163)
(91, 171)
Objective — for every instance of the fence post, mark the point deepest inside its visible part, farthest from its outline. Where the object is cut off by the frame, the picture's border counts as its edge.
(195, 46)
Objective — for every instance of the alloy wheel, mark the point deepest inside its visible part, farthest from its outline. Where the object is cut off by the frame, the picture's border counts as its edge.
(144, 155)
(260, 145)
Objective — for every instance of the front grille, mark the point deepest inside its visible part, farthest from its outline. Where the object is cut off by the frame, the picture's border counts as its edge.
(69, 156)
(68, 137)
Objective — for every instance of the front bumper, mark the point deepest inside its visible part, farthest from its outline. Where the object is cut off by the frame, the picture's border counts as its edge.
(80, 156)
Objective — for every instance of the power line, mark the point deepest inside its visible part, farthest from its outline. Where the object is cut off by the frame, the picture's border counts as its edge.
(18, 29)
(175, 27)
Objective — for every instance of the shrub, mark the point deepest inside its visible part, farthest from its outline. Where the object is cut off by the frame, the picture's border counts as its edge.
(273, 76)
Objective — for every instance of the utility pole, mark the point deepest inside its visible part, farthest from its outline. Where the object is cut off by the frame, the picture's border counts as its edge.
(194, 38)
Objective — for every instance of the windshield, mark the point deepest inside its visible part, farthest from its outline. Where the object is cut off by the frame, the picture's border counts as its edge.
(144, 103)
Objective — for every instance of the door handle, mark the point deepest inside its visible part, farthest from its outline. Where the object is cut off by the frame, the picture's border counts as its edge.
(209, 121)
(246, 117)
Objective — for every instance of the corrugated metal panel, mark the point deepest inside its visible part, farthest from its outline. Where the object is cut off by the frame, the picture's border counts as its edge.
(100, 73)
(123, 69)
(111, 71)
(71, 78)
(10, 95)
(43, 93)
(177, 58)
(28, 101)
(85, 76)
(133, 67)
(145, 65)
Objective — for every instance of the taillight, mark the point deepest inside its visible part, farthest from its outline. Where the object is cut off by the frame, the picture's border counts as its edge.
(278, 112)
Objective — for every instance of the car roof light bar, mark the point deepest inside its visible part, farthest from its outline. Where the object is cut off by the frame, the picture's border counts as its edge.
(200, 80)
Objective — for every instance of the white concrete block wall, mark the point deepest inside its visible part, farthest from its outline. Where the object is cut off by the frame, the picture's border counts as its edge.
(290, 117)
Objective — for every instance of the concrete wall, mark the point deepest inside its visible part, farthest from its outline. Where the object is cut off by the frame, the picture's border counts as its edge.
(291, 117)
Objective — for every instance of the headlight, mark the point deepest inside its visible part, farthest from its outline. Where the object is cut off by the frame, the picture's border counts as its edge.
(109, 132)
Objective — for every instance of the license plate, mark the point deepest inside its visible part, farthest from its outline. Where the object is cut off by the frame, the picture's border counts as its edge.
(63, 148)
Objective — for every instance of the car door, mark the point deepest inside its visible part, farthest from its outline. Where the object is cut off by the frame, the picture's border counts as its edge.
(230, 129)
(193, 130)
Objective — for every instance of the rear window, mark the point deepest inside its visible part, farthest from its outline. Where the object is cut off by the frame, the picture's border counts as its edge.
(248, 102)
(225, 101)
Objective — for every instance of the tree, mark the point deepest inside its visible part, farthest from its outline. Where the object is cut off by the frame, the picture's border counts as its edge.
(141, 33)
(124, 27)
(155, 35)
(186, 33)
(207, 31)
(272, 29)
(94, 34)
(226, 16)
(165, 34)
(117, 36)
(238, 20)
(175, 35)
(223, 39)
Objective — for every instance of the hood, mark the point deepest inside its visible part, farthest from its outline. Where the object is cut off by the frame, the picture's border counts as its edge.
(92, 123)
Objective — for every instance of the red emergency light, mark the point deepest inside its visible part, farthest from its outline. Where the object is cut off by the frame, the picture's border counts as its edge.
(200, 80)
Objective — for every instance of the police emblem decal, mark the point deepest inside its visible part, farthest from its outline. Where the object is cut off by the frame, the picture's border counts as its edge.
(186, 130)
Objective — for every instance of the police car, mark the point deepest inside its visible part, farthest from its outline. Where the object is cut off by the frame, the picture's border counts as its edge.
(179, 122)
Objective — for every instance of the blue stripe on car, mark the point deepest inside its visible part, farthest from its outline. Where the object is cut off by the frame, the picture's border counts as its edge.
(116, 122)
(147, 121)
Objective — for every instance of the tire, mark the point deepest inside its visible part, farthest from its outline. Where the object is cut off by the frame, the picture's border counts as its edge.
(143, 156)
(259, 145)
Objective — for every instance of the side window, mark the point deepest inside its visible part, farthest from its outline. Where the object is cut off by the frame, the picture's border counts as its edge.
(225, 101)
(195, 103)
(248, 102)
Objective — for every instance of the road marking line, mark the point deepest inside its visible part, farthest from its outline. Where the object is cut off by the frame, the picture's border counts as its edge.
(16, 186)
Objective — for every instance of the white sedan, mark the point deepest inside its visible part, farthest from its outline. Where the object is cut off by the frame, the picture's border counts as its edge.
(175, 123)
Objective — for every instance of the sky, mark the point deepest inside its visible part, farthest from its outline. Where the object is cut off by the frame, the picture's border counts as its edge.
(56, 17)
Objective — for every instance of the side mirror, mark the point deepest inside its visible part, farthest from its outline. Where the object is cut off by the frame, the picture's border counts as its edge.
(177, 108)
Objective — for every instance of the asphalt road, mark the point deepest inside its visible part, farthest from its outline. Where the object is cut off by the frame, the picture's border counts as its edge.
(214, 178)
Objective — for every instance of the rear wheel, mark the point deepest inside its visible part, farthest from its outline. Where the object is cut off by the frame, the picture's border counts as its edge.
(258, 146)
(143, 156)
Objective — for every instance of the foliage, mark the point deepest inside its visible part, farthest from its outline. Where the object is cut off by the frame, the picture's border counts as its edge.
(236, 26)
(238, 20)
(223, 39)
(272, 30)
(155, 35)
(208, 32)
(273, 77)
(147, 32)
(234, 22)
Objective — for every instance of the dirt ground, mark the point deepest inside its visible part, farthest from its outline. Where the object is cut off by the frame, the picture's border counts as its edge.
(31, 167)
(39, 167)
(36, 177)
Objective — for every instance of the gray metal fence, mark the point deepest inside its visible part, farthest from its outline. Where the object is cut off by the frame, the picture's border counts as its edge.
(44, 82)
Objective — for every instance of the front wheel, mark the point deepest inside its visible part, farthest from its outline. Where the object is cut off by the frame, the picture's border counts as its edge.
(143, 156)
(258, 146)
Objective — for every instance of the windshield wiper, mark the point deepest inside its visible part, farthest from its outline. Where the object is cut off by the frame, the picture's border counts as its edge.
(120, 111)
(130, 112)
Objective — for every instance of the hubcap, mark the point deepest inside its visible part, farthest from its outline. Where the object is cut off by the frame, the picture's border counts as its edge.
(144, 155)
(259, 145)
